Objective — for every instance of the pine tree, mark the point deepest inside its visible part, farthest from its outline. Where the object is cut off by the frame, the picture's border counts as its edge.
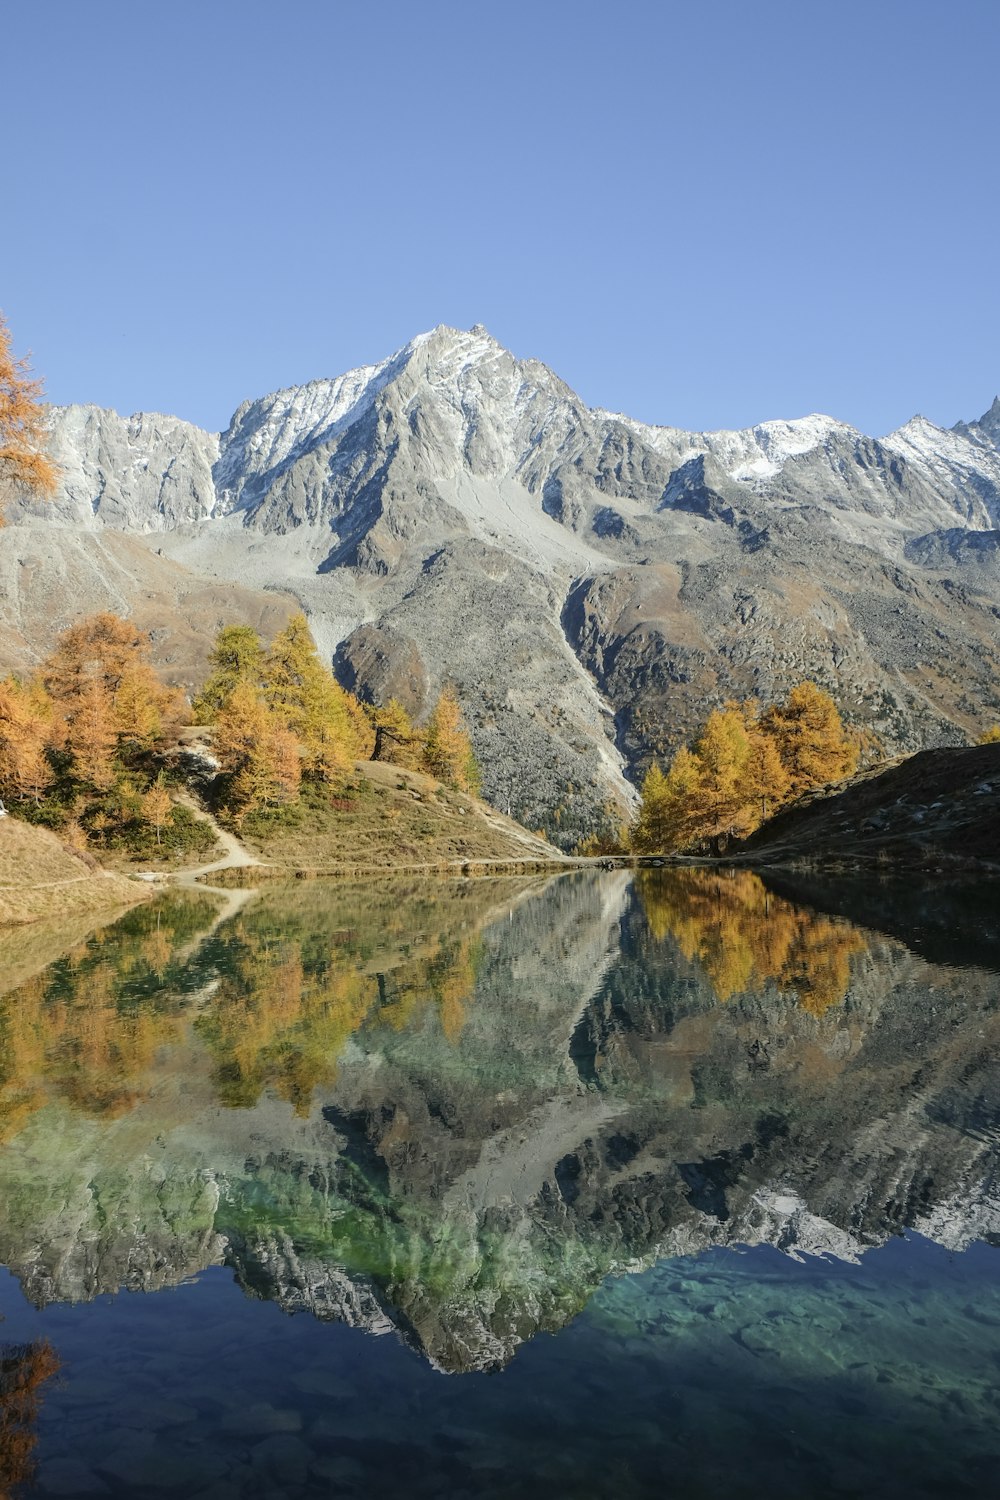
(723, 754)
(396, 739)
(26, 733)
(103, 686)
(157, 806)
(258, 754)
(651, 834)
(766, 780)
(684, 809)
(304, 696)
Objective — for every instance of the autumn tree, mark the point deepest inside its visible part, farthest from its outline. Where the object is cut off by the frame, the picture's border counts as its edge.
(991, 736)
(811, 740)
(305, 697)
(397, 740)
(103, 686)
(652, 832)
(26, 733)
(22, 423)
(447, 752)
(237, 656)
(258, 754)
(766, 781)
(742, 768)
(156, 806)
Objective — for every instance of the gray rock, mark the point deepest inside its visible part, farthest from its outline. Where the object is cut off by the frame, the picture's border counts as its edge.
(589, 583)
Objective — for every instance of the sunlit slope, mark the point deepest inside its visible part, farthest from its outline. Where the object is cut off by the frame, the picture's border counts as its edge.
(390, 817)
(40, 878)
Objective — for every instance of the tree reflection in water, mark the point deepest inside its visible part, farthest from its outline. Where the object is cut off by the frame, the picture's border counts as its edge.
(24, 1369)
(744, 936)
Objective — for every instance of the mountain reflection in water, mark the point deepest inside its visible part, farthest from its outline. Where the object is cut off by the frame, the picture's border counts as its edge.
(450, 1110)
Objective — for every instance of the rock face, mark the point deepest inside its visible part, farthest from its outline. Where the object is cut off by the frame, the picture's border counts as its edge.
(590, 584)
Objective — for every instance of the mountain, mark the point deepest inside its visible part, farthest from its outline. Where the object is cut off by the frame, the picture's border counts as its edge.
(591, 584)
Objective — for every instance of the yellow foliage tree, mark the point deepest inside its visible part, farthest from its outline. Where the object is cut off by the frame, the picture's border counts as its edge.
(26, 732)
(447, 752)
(811, 740)
(305, 697)
(237, 656)
(396, 738)
(110, 699)
(743, 768)
(258, 754)
(157, 806)
(991, 737)
(22, 423)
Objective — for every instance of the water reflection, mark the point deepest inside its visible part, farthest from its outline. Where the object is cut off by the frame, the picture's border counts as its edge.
(24, 1370)
(744, 936)
(452, 1109)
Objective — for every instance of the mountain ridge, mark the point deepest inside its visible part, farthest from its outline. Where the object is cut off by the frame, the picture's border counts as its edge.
(591, 584)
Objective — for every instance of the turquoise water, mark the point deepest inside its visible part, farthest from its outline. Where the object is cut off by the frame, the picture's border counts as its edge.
(601, 1186)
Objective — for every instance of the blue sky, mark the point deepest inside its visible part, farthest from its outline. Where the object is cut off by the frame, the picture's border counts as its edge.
(704, 213)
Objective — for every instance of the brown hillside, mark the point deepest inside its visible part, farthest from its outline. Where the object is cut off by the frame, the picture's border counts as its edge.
(939, 807)
(39, 878)
(386, 818)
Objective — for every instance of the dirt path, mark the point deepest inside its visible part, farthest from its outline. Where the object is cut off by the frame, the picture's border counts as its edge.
(236, 856)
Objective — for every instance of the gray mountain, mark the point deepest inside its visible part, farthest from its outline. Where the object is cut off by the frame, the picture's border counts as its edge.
(590, 584)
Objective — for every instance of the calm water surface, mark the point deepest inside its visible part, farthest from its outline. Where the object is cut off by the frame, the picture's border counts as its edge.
(677, 1184)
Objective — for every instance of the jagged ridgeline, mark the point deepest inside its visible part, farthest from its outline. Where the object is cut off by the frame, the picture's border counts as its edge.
(453, 1108)
(591, 586)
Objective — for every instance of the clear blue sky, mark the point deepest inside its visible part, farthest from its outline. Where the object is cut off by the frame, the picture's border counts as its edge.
(701, 212)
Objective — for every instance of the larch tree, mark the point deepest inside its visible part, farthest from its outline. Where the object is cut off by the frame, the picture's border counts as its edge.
(307, 699)
(447, 753)
(26, 734)
(237, 656)
(651, 833)
(156, 806)
(396, 739)
(259, 755)
(23, 460)
(104, 688)
(685, 803)
(811, 739)
(723, 754)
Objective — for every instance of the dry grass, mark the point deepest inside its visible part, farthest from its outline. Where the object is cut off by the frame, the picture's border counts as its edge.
(388, 818)
(40, 878)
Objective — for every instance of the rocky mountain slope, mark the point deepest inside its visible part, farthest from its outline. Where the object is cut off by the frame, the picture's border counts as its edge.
(591, 584)
(938, 808)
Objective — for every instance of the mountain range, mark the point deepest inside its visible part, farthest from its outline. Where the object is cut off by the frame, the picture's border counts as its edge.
(590, 584)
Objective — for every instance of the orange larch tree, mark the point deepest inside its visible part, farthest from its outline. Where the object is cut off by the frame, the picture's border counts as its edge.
(22, 423)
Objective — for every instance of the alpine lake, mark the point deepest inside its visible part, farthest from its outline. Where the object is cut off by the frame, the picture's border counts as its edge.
(613, 1184)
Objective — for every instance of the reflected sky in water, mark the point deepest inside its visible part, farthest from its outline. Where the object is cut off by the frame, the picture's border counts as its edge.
(614, 1151)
